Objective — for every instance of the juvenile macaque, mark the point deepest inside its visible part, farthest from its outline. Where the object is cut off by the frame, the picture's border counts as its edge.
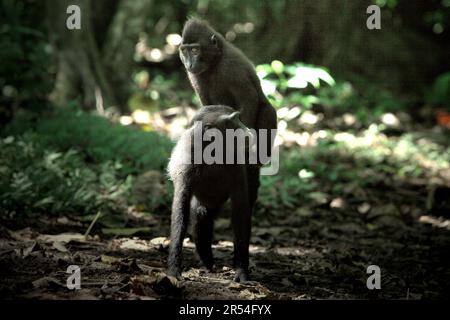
(200, 191)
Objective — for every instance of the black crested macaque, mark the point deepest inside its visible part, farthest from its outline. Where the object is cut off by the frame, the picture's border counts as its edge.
(200, 191)
(222, 75)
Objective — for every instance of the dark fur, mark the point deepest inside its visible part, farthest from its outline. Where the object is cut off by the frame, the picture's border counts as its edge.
(220, 75)
(227, 77)
(198, 195)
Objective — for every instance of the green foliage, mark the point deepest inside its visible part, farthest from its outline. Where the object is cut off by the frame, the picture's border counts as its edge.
(97, 139)
(278, 79)
(308, 85)
(365, 100)
(75, 162)
(25, 57)
(36, 179)
(386, 3)
(439, 95)
(344, 162)
(154, 92)
(438, 18)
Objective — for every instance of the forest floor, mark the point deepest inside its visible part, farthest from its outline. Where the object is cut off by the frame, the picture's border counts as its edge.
(323, 255)
(337, 208)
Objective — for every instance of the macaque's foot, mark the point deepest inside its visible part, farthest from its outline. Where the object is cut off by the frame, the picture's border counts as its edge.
(241, 275)
(209, 271)
(208, 263)
(210, 267)
(175, 272)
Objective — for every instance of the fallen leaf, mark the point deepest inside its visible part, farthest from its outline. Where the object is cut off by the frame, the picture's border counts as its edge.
(60, 246)
(364, 208)
(64, 237)
(66, 221)
(123, 264)
(23, 235)
(33, 248)
(153, 283)
(109, 259)
(47, 282)
(163, 241)
(443, 119)
(133, 244)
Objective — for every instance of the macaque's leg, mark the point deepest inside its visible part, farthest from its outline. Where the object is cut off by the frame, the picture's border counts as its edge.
(179, 222)
(203, 227)
(253, 172)
(267, 119)
(241, 222)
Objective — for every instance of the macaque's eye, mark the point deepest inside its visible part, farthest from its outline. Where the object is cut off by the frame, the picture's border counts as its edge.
(195, 51)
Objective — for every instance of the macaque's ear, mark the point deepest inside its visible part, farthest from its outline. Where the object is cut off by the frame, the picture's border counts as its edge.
(234, 116)
(228, 117)
(214, 41)
(207, 126)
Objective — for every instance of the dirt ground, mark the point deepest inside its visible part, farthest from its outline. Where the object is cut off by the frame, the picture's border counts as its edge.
(318, 254)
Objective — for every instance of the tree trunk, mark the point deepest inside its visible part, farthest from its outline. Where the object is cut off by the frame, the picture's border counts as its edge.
(95, 69)
(122, 37)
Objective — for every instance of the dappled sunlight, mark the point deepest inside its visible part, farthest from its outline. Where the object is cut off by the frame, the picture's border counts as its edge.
(390, 119)
(288, 114)
(438, 222)
(298, 252)
(126, 120)
(141, 117)
(309, 118)
(247, 27)
(288, 137)
(156, 55)
(172, 121)
(277, 79)
(174, 39)
(375, 145)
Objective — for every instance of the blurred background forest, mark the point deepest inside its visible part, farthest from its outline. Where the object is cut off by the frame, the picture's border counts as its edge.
(88, 118)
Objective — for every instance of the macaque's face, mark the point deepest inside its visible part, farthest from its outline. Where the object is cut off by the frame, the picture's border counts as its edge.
(191, 56)
(199, 52)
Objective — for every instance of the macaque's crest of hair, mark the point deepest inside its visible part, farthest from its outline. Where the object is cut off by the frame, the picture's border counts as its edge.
(195, 29)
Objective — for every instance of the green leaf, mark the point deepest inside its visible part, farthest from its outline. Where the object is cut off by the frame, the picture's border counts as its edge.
(277, 66)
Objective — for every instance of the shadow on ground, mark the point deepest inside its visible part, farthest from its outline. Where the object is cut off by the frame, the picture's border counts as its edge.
(323, 254)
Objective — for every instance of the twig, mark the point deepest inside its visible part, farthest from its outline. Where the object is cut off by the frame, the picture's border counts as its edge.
(92, 224)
